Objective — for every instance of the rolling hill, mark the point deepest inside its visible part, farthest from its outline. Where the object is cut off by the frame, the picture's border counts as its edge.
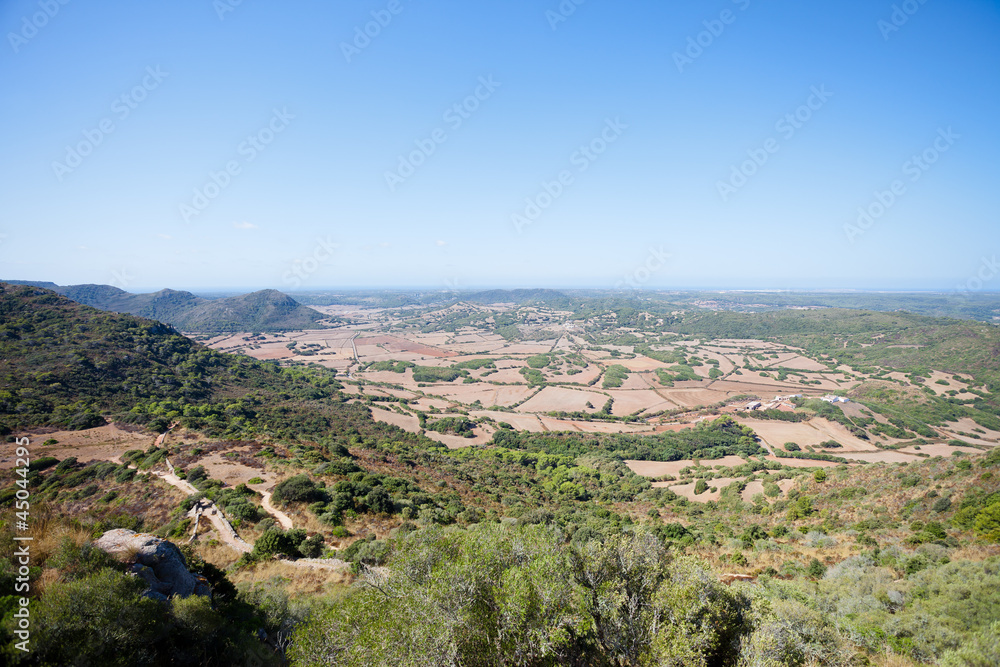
(265, 310)
(67, 365)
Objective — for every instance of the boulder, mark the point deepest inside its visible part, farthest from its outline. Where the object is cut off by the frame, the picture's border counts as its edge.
(157, 561)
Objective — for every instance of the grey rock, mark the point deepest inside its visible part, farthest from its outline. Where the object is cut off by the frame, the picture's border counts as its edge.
(157, 561)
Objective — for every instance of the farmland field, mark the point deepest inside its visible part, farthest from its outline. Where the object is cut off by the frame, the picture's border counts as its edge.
(544, 370)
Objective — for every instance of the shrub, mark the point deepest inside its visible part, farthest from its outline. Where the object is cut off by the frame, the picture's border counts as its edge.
(243, 511)
(273, 541)
(43, 463)
(818, 540)
(196, 474)
(312, 547)
(942, 504)
(118, 628)
(981, 649)
(296, 489)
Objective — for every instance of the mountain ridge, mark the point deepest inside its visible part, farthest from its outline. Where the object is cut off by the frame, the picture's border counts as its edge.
(261, 311)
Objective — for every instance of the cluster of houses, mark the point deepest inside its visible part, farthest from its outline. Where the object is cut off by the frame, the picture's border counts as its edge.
(830, 398)
(782, 403)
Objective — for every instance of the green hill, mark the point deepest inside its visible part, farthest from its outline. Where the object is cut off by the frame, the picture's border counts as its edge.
(265, 310)
(72, 366)
(536, 549)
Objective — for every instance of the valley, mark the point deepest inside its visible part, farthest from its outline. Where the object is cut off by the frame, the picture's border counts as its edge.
(770, 452)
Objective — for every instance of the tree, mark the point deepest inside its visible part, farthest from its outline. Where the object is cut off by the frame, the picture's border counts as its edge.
(379, 501)
(816, 568)
(103, 617)
(296, 489)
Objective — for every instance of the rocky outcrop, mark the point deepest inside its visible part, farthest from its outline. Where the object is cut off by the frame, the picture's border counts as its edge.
(157, 561)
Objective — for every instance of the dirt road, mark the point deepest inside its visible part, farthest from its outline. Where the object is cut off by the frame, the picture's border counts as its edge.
(283, 519)
(206, 508)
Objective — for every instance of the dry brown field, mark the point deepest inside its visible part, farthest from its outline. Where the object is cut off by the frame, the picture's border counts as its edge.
(521, 422)
(233, 473)
(777, 433)
(801, 463)
(939, 449)
(640, 363)
(393, 344)
(940, 389)
(563, 399)
(553, 424)
(966, 425)
(658, 468)
(757, 486)
(687, 490)
(405, 422)
(882, 456)
(102, 443)
(629, 401)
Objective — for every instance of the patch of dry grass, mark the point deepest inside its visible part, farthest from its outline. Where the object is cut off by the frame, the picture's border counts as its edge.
(215, 552)
(892, 660)
(293, 579)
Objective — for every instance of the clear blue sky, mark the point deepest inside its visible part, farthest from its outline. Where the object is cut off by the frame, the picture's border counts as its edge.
(674, 127)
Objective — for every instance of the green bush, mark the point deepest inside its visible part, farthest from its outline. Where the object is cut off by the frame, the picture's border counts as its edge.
(43, 463)
(296, 489)
(119, 626)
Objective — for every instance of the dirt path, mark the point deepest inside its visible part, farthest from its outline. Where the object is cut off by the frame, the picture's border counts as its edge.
(319, 563)
(283, 519)
(206, 508)
(173, 480)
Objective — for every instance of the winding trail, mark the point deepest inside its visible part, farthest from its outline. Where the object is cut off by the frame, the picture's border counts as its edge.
(283, 519)
(209, 510)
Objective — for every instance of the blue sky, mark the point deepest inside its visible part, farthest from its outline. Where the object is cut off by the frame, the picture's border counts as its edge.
(723, 144)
